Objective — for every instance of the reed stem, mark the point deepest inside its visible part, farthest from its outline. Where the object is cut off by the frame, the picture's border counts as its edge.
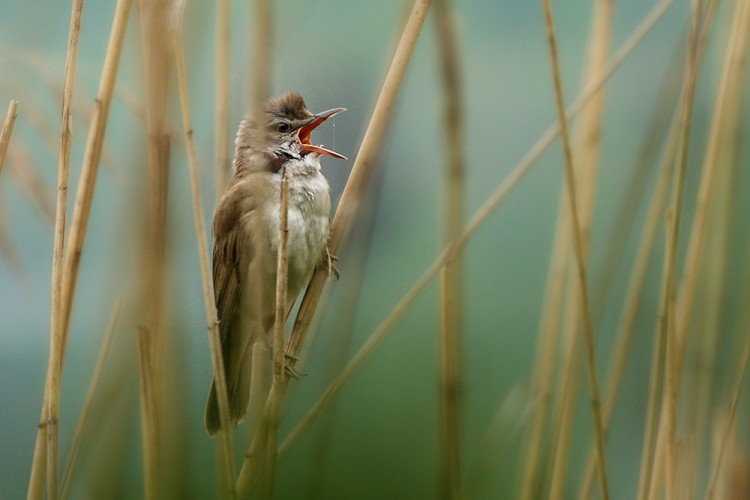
(578, 247)
(225, 435)
(451, 282)
(361, 173)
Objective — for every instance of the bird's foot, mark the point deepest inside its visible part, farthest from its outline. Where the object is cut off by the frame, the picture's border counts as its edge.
(290, 370)
(330, 259)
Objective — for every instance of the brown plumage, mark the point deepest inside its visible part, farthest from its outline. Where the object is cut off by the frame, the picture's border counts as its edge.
(245, 227)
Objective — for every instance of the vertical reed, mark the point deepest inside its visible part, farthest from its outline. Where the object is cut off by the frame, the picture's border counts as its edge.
(361, 170)
(54, 376)
(451, 282)
(667, 326)
(209, 301)
(81, 211)
(158, 23)
(579, 251)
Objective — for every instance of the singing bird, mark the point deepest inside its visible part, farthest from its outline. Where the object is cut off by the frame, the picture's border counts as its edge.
(246, 235)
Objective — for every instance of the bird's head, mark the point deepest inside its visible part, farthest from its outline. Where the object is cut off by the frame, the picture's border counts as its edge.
(284, 135)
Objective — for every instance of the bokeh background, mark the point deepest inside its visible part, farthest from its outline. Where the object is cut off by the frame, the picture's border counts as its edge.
(383, 430)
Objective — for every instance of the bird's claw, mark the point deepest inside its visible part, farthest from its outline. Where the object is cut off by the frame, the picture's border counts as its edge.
(289, 369)
(330, 259)
(292, 373)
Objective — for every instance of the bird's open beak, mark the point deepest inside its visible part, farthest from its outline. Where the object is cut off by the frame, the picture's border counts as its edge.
(303, 135)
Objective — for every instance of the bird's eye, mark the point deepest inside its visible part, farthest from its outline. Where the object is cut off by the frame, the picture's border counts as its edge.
(282, 127)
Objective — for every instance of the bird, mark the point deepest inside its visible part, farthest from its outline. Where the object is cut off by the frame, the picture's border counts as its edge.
(246, 238)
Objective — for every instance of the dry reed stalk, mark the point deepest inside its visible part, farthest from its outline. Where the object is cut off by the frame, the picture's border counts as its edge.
(726, 433)
(724, 123)
(546, 350)
(579, 251)
(451, 278)
(707, 328)
(149, 416)
(653, 442)
(158, 22)
(479, 218)
(260, 460)
(626, 327)
(81, 211)
(225, 438)
(54, 374)
(653, 139)
(586, 145)
(654, 439)
(77, 439)
(563, 417)
(271, 413)
(92, 154)
(10, 120)
(222, 159)
(587, 137)
(709, 238)
(362, 170)
(547, 343)
(667, 326)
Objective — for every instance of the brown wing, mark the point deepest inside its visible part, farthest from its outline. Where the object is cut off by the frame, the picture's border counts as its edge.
(231, 257)
(231, 251)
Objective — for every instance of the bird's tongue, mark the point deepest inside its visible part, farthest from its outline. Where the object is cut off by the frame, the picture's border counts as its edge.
(303, 136)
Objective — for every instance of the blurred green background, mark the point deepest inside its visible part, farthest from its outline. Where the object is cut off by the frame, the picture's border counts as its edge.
(334, 52)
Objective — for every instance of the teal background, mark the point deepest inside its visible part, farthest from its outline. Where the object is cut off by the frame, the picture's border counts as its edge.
(335, 53)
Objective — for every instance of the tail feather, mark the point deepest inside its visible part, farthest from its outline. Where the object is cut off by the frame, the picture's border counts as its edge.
(246, 375)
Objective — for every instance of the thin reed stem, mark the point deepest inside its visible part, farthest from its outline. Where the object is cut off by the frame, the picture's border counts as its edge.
(547, 343)
(272, 410)
(667, 325)
(158, 24)
(578, 246)
(724, 122)
(77, 439)
(362, 171)
(225, 435)
(709, 237)
(587, 146)
(626, 329)
(91, 157)
(734, 400)
(260, 460)
(546, 352)
(81, 211)
(451, 283)
(54, 374)
(7, 130)
(150, 437)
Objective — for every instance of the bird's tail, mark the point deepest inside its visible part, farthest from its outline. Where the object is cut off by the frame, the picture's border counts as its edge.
(248, 378)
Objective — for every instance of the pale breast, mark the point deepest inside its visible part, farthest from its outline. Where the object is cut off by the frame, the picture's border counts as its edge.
(309, 205)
